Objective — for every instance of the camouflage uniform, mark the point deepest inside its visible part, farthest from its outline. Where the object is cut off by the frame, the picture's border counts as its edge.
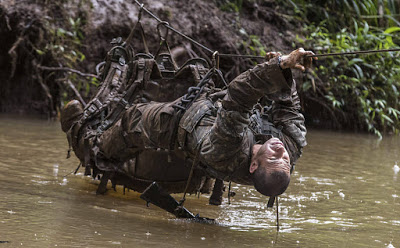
(221, 131)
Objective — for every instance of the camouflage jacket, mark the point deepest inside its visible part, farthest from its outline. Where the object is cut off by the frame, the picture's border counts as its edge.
(218, 131)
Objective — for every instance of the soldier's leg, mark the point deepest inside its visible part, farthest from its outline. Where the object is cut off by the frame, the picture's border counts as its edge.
(120, 142)
(143, 126)
(218, 190)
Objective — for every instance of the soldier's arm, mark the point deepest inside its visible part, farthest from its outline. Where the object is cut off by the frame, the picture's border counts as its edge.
(225, 138)
(285, 111)
(272, 79)
(285, 115)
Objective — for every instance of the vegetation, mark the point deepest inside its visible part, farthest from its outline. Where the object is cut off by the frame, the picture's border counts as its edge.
(230, 5)
(63, 47)
(359, 92)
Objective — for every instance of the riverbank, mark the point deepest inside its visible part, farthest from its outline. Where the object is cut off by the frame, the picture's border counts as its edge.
(350, 93)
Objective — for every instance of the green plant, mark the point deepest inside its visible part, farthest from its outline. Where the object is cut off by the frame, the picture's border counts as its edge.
(364, 88)
(357, 91)
(230, 5)
(253, 46)
(62, 47)
(64, 43)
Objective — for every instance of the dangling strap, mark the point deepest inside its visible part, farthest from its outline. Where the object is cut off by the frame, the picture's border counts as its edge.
(195, 163)
(69, 138)
(270, 204)
(138, 23)
(229, 192)
(271, 201)
(277, 214)
(164, 42)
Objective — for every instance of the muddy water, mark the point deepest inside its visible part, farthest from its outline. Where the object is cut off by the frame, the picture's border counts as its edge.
(344, 193)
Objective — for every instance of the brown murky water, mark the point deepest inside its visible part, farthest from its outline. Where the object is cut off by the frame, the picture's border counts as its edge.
(345, 192)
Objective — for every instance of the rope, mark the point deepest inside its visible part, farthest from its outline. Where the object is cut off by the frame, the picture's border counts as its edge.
(355, 52)
(172, 29)
(241, 56)
(277, 214)
(167, 25)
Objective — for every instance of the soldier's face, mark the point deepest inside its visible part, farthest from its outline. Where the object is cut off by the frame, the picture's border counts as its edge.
(271, 154)
(270, 168)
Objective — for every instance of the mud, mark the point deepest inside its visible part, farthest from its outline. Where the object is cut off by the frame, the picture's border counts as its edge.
(23, 30)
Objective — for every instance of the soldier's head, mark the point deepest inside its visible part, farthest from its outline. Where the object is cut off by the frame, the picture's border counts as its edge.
(270, 167)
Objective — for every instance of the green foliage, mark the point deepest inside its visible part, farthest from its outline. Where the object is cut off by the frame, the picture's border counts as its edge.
(62, 45)
(253, 46)
(65, 42)
(340, 13)
(230, 5)
(362, 91)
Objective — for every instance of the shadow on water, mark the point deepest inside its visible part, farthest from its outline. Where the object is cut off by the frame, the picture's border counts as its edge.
(344, 192)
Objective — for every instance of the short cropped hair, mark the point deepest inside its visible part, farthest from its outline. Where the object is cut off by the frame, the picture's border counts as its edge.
(269, 182)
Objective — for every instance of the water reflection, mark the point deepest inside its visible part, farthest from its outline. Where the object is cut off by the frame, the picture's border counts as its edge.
(344, 192)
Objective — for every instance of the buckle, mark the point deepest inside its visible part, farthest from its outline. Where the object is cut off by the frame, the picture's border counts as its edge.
(97, 103)
(123, 102)
(141, 64)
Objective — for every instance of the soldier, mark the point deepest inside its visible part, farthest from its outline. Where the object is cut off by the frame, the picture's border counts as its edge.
(222, 132)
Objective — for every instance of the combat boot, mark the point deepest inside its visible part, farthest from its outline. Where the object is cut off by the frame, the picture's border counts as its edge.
(70, 114)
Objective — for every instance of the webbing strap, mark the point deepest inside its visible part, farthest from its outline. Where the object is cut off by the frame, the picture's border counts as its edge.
(186, 102)
(86, 153)
(125, 101)
(195, 163)
(141, 29)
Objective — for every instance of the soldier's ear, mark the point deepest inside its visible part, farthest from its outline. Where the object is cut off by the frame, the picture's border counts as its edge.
(253, 167)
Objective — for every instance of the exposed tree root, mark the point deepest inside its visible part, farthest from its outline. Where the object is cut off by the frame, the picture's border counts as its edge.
(82, 74)
(14, 56)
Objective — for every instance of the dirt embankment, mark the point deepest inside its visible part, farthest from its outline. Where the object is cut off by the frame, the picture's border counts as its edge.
(30, 37)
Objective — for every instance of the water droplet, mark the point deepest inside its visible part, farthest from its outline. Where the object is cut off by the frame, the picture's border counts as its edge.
(396, 168)
(203, 238)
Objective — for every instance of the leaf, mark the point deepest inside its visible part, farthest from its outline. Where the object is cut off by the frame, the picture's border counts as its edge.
(87, 90)
(40, 52)
(393, 19)
(392, 30)
(360, 71)
(356, 7)
(387, 118)
(61, 32)
(355, 61)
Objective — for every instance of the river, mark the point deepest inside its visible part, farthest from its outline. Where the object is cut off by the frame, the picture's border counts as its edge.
(345, 192)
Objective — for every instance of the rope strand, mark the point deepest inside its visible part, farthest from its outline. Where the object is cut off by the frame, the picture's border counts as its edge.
(174, 30)
(167, 25)
(355, 52)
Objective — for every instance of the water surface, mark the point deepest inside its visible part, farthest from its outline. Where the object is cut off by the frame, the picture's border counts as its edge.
(344, 193)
